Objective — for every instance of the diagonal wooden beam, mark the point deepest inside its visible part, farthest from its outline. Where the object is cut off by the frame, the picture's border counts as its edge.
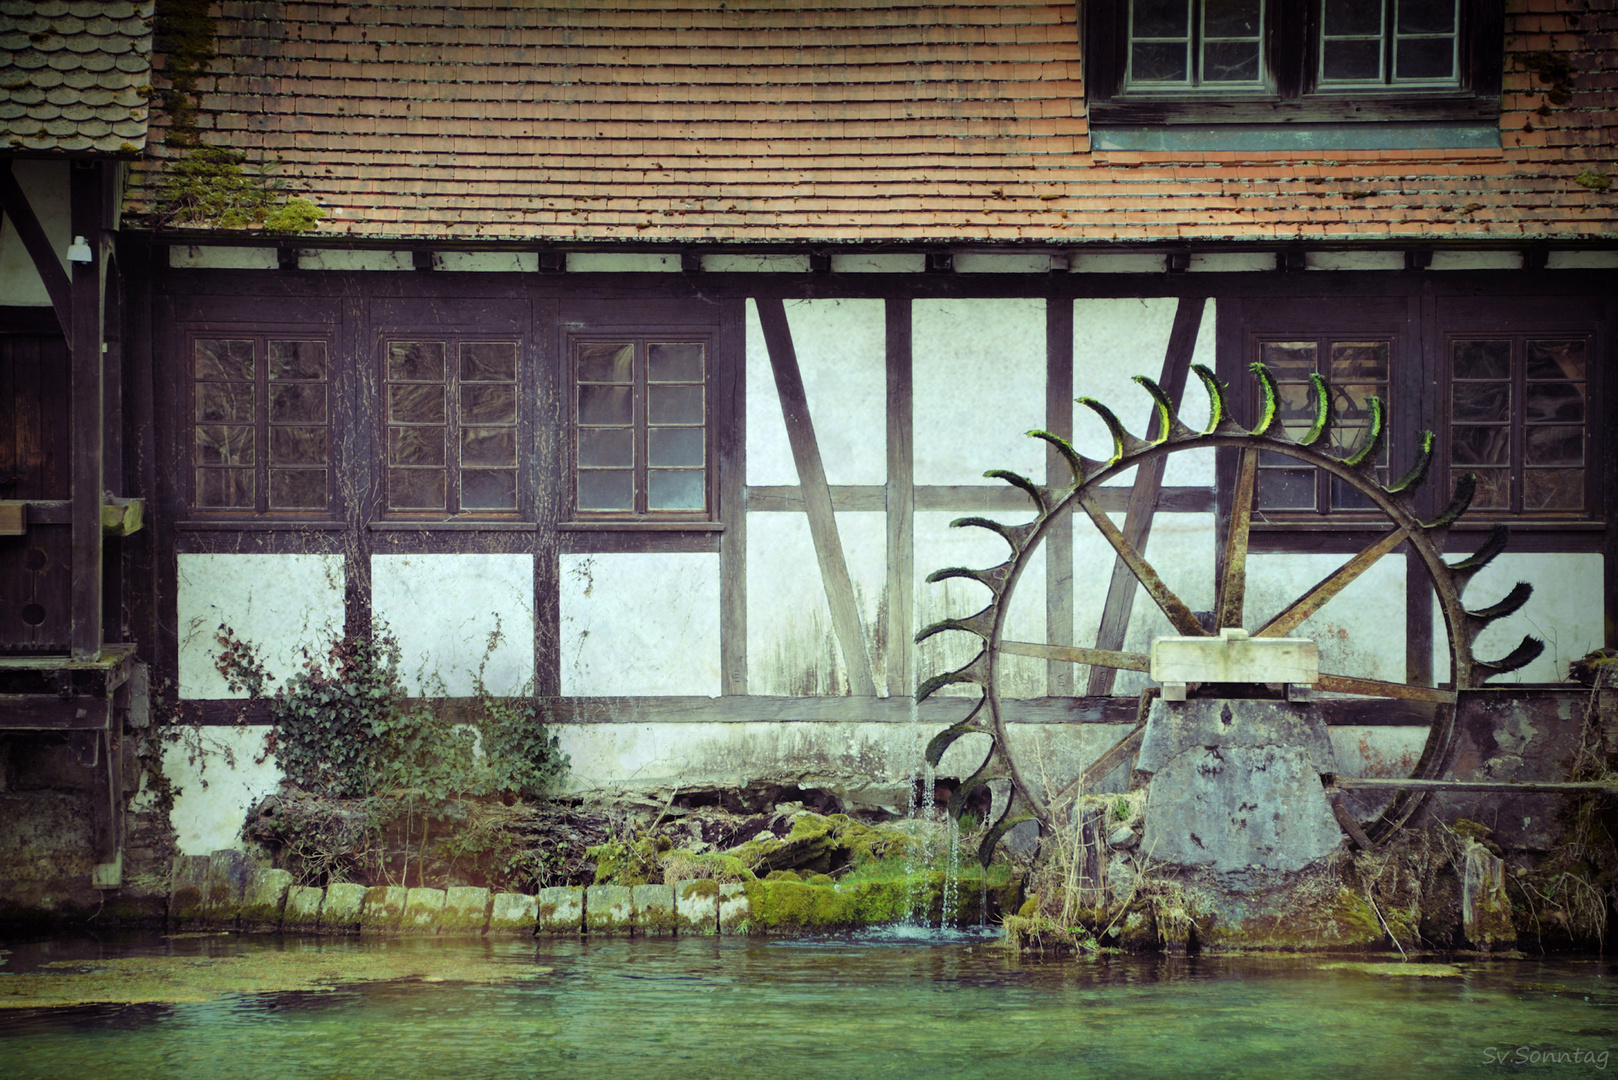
(845, 615)
(899, 502)
(1077, 654)
(1334, 583)
(1142, 572)
(1143, 498)
(14, 204)
(1233, 582)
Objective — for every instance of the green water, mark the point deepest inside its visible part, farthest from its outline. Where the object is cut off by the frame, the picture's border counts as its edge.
(870, 1006)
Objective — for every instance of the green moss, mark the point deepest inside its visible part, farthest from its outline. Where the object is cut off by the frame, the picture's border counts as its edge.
(680, 865)
(698, 887)
(822, 879)
(785, 875)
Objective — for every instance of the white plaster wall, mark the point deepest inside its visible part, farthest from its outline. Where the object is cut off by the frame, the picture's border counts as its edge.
(1113, 341)
(756, 264)
(526, 262)
(996, 262)
(45, 184)
(628, 262)
(217, 778)
(1565, 613)
(938, 546)
(443, 610)
(893, 263)
(1582, 260)
(638, 624)
(282, 604)
(979, 377)
(1232, 262)
(1117, 262)
(1476, 260)
(207, 257)
(792, 648)
(354, 259)
(1354, 260)
(1361, 631)
(841, 347)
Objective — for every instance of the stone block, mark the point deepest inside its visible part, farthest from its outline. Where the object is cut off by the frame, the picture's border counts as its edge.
(735, 913)
(340, 914)
(302, 911)
(654, 908)
(188, 877)
(1485, 908)
(224, 886)
(265, 898)
(696, 907)
(609, 909)
(560, 910)
(466, 910)
(515, 914)
(383, 909)
(423, 910)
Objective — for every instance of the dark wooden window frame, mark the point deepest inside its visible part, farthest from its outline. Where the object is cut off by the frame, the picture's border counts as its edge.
(706, 519)
(1291, 58)
(262, 334)
(453, 339)
(1419, 376)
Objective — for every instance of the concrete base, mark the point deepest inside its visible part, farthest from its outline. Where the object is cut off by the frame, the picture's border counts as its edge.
(1235, 792)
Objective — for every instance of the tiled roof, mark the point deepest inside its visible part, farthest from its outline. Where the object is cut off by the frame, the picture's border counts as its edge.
(74, 75)
(830, 121)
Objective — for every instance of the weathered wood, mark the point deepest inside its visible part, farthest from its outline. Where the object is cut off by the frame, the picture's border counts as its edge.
(1335, 582)
(900, 502)
(1074, 654)
(1345, 820)
(839, 586)
(1137, 529)
(15, 206)
(88, 281)
(1140, 571)
(967, 498)
(41, 712)
(730, 459)
(1347, 684)
(1059, 676)
(13, 518)
(1233, 574)
(1525, 787)
(1418, 622)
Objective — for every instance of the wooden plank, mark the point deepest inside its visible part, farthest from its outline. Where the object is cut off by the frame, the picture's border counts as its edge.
(969, 498)
(845, 616)
(1059, 533)
(1233, 572)
(14, 204)
(1334, 583)
(86, 199)
(549, 500)
(1073, 654)
(42, 712)
(730, 440)
(1517, 787)
(1348, 684)
(1143, 505)
(900, 502)
(1418, 622)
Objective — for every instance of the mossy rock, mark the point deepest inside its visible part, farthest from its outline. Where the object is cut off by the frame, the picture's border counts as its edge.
(696, 907)
(383, 909)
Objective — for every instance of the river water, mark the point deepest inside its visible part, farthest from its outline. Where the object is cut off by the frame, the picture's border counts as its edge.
(897, 1003)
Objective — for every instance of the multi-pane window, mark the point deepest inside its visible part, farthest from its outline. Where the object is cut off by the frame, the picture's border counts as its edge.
(1356, 369)
(260, 424)
(1517, 420)
(640, 426)
(451, 425)
(1388, 42)
(1186, 44)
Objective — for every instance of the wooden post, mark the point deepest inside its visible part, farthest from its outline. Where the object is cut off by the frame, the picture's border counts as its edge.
(87, 198)
(900, 503)
(1059, 533)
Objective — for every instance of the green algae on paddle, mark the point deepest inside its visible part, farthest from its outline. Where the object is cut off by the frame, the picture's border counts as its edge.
(137, 980)
(1417, 971)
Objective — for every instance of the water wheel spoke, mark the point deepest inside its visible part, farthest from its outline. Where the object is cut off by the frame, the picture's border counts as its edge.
(1232, 591)
(1349, 684)
(1171, 605)
(1334, 583)
(1111, 658)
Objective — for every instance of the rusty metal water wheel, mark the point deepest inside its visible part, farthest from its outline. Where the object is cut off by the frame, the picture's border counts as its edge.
(1023, 801)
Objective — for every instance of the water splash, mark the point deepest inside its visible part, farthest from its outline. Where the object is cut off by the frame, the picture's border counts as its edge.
(952, 876)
